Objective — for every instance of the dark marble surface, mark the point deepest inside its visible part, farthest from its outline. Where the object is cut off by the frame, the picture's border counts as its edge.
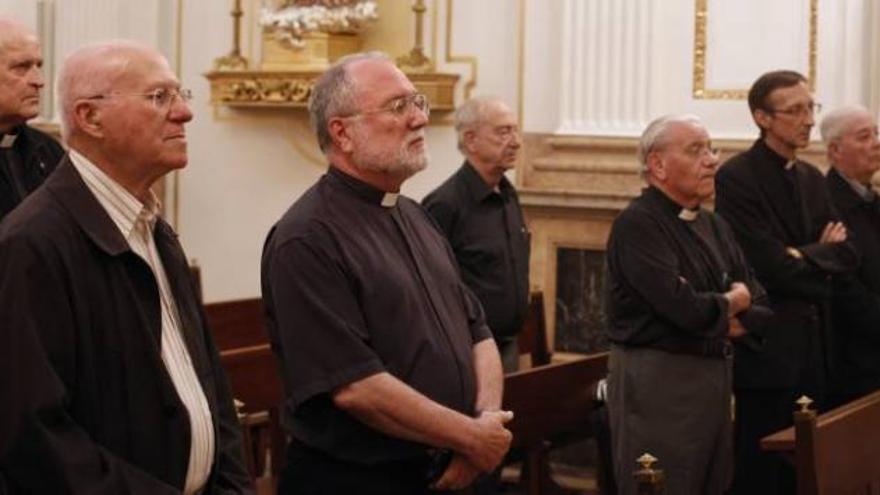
(580, 296)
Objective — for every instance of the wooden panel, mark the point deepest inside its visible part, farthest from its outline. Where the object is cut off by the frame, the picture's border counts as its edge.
(237, 324)
(552, 400)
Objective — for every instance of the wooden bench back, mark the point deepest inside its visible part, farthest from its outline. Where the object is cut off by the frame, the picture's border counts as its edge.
(532, 338)
(839, 452)
(552, 400)
(251, 368)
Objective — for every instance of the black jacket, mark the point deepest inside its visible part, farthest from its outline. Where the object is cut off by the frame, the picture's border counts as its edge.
(87, 403)
(856, 302)
(752, 191)
(39, 154)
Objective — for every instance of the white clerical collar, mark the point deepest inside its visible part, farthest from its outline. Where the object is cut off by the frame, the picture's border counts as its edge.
(8, 140)
(790, 164)
(688, 215)
(389, 200)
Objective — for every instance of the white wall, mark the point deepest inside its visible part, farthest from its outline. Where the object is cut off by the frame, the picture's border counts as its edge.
(607, 67)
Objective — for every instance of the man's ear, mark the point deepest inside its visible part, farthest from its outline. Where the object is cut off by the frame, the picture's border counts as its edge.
(656, 166)
(87, 117)
(470, 136)
(833, 151)
(340, 135)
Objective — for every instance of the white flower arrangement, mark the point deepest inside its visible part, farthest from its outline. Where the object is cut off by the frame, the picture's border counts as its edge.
(291, 23)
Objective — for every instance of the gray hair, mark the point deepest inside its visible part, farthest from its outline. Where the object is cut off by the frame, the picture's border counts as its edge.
(655, 135)
(471, 114)
(835, 123)
(90, 71)
(334, 95)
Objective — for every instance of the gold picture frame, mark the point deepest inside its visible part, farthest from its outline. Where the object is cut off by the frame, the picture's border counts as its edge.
(701, 92)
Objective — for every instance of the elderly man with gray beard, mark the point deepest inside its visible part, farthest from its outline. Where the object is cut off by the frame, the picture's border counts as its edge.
(392, 381)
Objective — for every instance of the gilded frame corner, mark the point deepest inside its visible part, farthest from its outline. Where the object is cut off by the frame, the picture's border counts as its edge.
(701, 92)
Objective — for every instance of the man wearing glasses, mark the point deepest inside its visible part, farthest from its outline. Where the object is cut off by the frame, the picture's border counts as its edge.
(782, 215)
(679, 292)
(392, 380)
(478, 210)
(27, 156)
(109, 378)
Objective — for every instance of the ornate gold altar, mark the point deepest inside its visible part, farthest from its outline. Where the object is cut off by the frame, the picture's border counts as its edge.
(299, 40)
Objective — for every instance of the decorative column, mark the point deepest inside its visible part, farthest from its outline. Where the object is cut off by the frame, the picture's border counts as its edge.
(606, 62)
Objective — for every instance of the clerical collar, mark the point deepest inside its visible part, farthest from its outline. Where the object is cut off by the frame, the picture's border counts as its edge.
(389, 199)
(864, 192)
(366, 191)
(688, 215)
(8, 140)
(772, 157)
(670, 206)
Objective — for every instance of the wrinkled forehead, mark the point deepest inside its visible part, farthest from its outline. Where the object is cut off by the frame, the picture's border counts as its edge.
(684, 133)
(132, 70)
(378, 81)
(791, 95)
(17, 43)
(498, 114)
(859, 122)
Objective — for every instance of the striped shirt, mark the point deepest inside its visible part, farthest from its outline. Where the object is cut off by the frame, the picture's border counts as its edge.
(136, 221)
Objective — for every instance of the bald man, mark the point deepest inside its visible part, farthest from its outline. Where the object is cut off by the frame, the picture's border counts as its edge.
(27, 156)
(109, 379)
(850, 134)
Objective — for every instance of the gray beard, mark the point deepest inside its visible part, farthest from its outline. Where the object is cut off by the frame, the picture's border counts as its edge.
(398, 163)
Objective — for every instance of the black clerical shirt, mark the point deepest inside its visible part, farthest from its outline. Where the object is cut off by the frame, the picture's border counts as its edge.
(24, 164)
(353, 288)
(668, 272)
(491, 243)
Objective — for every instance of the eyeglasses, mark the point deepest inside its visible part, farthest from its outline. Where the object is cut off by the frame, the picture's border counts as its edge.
(699, 150)
(800, 111)
(401, 106)
(161, 98)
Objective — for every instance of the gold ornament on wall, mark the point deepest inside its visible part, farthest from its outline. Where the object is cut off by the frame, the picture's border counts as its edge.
(701, 46)
(300, 39)
(312, 34)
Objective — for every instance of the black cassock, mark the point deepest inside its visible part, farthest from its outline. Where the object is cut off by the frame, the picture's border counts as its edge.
(25, 161)
(774, 208)
(670, 377)
(856, 301)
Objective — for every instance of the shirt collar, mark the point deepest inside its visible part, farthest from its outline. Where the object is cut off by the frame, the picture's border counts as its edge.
(773, 157)
(863, 191)
(670, 206)
(477, 187)
(366, 191)
(8, 139)
(124, 209)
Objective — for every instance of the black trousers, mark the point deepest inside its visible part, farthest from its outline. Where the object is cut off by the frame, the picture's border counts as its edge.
(311, 472)
(758, 414)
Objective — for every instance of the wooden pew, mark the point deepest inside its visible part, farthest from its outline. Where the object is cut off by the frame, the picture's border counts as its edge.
(532, 338)
(550, 402)
(254, 379)
(837, 452)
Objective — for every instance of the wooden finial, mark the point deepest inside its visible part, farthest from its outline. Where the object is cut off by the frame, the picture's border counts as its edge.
(805, 403)
(646, 461)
